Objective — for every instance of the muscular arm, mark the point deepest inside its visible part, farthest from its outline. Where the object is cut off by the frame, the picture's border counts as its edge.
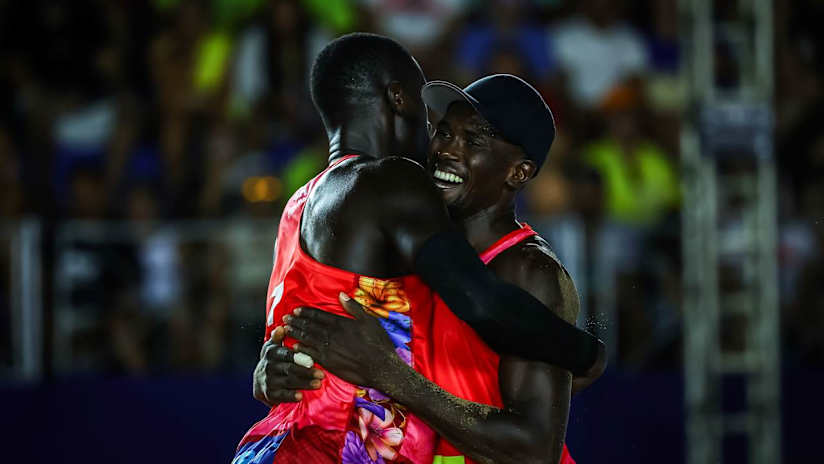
(529, 429)
(509, 319)
(532, 425)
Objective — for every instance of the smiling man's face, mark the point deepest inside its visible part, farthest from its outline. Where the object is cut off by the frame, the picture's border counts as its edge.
(471, 164)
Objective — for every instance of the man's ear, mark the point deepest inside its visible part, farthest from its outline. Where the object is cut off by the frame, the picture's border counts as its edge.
(520, 173)
(396, 97)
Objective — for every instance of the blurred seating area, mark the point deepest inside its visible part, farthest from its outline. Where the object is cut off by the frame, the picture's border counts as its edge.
(156, 142)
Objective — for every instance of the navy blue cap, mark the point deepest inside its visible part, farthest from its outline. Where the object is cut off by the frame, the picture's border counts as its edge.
(509, 103)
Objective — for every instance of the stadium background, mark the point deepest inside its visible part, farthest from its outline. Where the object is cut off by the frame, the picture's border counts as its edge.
(146, 149)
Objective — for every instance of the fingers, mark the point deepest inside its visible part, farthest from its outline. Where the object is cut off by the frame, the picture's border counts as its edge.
(261, 396)
(277, 335)
(275, 339)
(307, 331)
(293, 377)
(283, 355)
(278, 353)
(308, 335)
(351, 306)
(279, 395)
(281, 381)
(305, 323)
(311, 351)
(317, 315)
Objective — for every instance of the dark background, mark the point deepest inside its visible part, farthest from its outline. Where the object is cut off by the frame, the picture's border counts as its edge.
(153, 143)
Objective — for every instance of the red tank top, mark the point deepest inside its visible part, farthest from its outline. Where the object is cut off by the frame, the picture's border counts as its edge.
(339, 417)
(463, 364)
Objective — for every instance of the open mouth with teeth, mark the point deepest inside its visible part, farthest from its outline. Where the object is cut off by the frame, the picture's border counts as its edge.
(446, 179)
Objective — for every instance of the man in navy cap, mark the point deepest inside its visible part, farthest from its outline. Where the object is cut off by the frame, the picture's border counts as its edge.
(493, 138)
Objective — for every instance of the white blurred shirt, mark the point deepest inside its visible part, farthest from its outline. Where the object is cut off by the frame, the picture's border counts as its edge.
(597, 59)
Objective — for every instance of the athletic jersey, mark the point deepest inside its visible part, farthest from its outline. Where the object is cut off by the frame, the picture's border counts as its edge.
(462, 363)
(340, 422)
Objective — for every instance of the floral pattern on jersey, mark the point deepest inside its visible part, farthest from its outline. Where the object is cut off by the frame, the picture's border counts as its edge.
(378, 428)
(354, 451)
(381, 296)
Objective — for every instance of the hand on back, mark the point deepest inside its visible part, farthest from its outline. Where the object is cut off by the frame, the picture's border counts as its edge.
(277, 377)
(356, 349)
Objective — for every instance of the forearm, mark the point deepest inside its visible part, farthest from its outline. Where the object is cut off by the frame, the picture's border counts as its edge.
(509, 319)
(484, 433)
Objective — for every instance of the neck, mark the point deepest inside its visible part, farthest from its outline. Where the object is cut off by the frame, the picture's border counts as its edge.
(485, 227)
(361, 136)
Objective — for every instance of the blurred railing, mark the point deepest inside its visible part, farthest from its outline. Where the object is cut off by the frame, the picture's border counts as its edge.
(21, 306)
(183, 296)
(147, 298)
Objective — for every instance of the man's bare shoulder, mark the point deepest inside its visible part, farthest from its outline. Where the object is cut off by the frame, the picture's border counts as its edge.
(396, 181)
(533, 266)
(374, 179)
(395, 171)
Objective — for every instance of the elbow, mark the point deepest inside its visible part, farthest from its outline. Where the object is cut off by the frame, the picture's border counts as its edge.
(543, 455)
(528, 448)
(538, 449)
(597, 369)
(545, 446)
(528, 458)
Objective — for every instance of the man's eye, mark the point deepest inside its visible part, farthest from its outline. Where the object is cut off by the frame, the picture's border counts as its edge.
(442, 133)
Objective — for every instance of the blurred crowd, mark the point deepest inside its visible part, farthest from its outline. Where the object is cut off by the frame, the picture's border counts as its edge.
(130, 128)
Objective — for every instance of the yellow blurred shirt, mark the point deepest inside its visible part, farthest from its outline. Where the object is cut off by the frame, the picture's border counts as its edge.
(640, 188)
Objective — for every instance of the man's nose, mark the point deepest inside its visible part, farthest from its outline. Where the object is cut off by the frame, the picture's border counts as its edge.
(448, 154)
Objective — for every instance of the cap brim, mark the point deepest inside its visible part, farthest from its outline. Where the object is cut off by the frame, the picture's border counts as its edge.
(438, 95)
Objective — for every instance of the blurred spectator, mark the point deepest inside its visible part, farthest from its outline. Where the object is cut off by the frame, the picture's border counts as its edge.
(198, 331)
(189, 60)
(417, 24)
(304, 166)
(336, 16)
(157, 253)
(598, 50)
(88, 194)
(127, 333)
(641, 181)
(797, 246)
(221, 147)
(662, 36)
(273, 60)
(804, 318)
(97, 306)
(503, 39)
(636, 277)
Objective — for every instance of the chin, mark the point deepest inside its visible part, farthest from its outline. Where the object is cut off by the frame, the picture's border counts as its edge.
(451, 197)
(454, 207)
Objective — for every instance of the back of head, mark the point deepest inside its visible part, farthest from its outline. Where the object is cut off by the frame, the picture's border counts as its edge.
(351, 74)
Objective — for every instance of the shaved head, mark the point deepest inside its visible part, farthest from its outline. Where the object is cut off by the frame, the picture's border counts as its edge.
(353, 70)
